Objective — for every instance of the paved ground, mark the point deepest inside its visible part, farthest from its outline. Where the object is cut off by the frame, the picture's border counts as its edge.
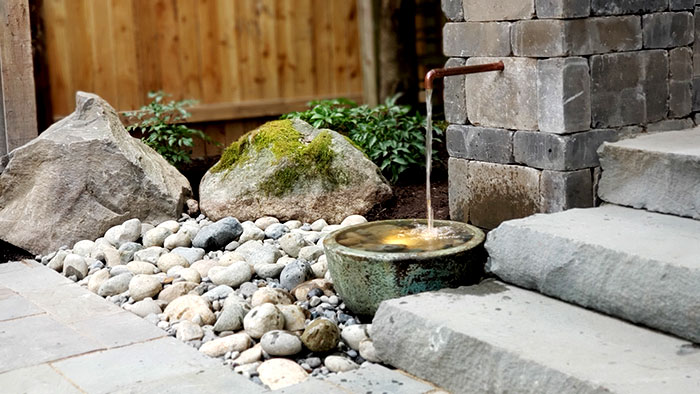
(56, 337)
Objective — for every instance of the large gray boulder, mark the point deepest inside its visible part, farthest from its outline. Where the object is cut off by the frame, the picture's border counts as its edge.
(290, 170)
(82, 176)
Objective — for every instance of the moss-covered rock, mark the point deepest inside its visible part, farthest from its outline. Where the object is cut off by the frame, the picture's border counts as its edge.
(288, 169)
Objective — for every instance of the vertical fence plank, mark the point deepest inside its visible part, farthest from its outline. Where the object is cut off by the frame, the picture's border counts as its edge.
(104, 61)
(323, 47)
(54, 14)
(226, 16)
(300, 29)
(170, 70)
(129, 96)
(190, 48)
(16, 71)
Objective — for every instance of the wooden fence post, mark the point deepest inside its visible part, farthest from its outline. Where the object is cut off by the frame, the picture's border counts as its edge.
(367, 11)
(18, 119)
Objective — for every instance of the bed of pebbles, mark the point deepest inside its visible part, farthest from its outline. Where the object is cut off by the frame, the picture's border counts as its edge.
(257, 295)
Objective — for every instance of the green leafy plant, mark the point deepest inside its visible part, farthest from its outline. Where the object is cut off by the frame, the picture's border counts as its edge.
(162, 128)
(392, 135)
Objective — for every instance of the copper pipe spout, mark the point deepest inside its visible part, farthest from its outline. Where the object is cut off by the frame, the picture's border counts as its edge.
(445, 72)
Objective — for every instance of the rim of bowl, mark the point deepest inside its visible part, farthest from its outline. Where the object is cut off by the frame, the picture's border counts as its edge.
(478, 236)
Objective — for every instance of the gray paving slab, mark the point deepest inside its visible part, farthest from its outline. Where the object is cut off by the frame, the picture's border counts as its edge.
(39, 379)
(13, 306)
(27, 275)
(208, 381)
(120, 329)
(128, 367)
(499, 338)
(38, 339)
(70, 303)
(378, 379)
(314, 386)
(640, 266)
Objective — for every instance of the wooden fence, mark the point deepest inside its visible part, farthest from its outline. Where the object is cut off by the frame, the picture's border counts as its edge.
(244, 60)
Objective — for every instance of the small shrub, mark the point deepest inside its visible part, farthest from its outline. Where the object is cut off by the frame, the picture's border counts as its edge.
(392, 136)
(160, 123)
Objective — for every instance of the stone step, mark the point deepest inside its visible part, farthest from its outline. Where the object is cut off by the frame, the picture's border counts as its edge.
(369, 378)
(640, 266)
(657, 172)
(498, 338)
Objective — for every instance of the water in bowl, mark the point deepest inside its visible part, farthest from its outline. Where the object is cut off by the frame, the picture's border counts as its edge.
(412, 237)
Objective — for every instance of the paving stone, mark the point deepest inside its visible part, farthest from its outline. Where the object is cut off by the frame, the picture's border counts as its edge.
(30, 275)
(560, 152)
(376, 378)
(480, 143)
(453, 10)
(39, 379)
(313, 386)
(656, 172)
(123, 328)
(166, 358)
(503, 99)
(549, 38)
(498, 10)
(467, 39)
(629, 88)
(562, 190)
(564, 95)
(562, 8)
(619, 7)
(13, 305)
(636, 265)
(37, 339)
(495, 337)
(200, 381)
(668, 29)
(71, 303)
(485, 194)
(454, 94)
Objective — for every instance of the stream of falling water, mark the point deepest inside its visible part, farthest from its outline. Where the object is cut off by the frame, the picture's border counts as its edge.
(428, 153)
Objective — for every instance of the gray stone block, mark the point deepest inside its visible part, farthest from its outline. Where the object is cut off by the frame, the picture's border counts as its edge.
(549, 38)
(564, 95)
(696, 93)
(620, 7)
(657, 172)
(36, 379)
(639, 266)
(560, 152)
(486, 194)
(696, 43)
(562, 190)
(668, 29)
(680, 100)
(629, 88)
(479, 143)
(679, 5)
(374, 378)
(467, 39)
(497, 338)
(670, 125)
(557, 9)
(453, 94)
(453, 10)
(503, 99)
(498, 10)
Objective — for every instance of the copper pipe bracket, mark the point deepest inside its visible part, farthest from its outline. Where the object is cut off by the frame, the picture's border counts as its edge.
(462, 70)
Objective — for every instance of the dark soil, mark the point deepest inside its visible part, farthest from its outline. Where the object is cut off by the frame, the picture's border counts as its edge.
(408, 201)
(12, 253)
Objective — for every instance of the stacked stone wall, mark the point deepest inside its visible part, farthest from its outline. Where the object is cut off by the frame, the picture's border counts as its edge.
(577, 73)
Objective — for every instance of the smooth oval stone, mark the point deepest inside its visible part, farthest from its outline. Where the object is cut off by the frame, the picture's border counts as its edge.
(321, 335)
(280, 343)
(262, 319)
(143, 286)
(339, 364)
(277, 373)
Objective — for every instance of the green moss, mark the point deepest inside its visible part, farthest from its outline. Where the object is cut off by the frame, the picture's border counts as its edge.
(301, 161)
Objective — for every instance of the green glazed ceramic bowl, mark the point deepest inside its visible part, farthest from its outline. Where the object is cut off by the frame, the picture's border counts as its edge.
(364, 279)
